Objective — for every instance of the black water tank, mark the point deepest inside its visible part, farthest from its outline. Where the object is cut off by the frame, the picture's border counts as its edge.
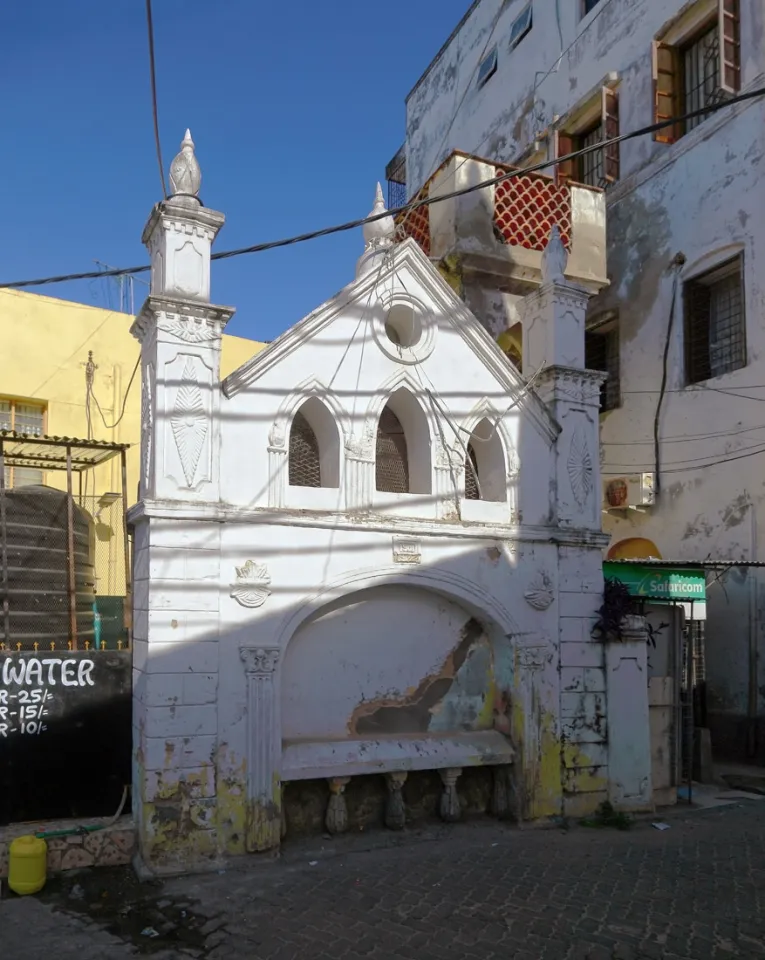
(38, 571)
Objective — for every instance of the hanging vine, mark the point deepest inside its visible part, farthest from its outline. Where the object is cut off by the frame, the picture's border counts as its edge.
(617, 604)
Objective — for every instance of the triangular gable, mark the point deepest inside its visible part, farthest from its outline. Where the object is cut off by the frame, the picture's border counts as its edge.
(451, 306)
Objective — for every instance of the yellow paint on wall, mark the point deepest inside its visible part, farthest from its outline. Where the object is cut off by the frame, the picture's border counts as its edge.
(47, 345)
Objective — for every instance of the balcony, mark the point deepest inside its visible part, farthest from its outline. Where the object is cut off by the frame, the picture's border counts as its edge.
(502, 230)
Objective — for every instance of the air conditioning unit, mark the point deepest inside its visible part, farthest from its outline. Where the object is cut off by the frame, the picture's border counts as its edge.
(631, 492)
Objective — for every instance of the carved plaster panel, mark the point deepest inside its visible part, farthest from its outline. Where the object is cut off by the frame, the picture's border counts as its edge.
(260, 661)
(580, 467)
(147, 425)
(406, 550)
(251, 588)
(541, 591)
(189, 422)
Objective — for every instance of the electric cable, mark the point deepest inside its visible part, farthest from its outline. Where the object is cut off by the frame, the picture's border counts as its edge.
(111, 426)
(154, 110)
(413, 205)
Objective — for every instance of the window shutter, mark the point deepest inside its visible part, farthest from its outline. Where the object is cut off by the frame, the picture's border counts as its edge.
(728, 21)
(610, 119)
(666, 78)
(563, 146)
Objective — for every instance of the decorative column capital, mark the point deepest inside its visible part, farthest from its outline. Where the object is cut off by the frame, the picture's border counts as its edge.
(260, 661)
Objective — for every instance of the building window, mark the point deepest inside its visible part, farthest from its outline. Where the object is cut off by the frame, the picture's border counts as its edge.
(471, 475)
(521, 26)
(597, 122)
(698, 71)
(485, 471)
(715, 325)
(601, 352)
(395, 174)
(392, 458)
(304, 458)
(487, 68)
(28, 418)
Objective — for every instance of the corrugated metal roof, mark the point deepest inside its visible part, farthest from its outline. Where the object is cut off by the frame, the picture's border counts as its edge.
(50, 453)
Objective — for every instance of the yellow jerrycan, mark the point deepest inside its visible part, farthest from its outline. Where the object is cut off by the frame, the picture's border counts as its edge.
(27, 865)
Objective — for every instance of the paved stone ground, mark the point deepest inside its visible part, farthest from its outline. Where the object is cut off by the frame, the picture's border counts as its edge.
(477, 890)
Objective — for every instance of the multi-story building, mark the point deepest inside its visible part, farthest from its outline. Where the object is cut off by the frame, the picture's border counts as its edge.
(679, 327)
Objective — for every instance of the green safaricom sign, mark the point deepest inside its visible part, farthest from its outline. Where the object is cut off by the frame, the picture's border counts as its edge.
(657, 583)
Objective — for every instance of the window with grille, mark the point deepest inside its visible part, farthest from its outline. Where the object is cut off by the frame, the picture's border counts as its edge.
(715, 324)
(598, 168)
(304, 455)
(696, 72)
(488, 67)
(28, 418)
(392, 459)
(601, 352)
(471, 475)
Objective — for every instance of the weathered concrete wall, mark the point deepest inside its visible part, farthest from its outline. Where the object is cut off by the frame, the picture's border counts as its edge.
(696, 197)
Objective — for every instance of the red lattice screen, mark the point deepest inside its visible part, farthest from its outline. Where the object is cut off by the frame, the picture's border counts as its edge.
(416, 223)
(526, 207)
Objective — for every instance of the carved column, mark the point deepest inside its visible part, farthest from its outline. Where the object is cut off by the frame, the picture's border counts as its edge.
(360, 470)
(264, 794)
(451, 811)
(501, 805)
(337, 809)
(395, 809)
(277, 476)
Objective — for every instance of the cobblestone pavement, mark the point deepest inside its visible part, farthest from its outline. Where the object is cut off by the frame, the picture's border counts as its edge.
(473, 891)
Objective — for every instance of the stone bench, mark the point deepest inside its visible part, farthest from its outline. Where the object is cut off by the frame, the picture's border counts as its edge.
(392, 756)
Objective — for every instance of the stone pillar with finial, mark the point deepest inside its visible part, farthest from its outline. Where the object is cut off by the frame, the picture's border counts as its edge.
(177, 565)
(553, 319)
(379, 237)
(180, 335)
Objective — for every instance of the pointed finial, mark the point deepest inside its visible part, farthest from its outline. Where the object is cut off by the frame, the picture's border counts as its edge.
(185, 175)
(554, 259)
(381, 232)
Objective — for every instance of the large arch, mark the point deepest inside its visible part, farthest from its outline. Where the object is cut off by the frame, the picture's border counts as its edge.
(483, 604)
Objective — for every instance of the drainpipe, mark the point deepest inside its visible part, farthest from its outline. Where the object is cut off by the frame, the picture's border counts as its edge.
(751, 740)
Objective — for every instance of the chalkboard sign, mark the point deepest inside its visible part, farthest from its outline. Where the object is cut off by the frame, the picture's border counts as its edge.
(65, 733)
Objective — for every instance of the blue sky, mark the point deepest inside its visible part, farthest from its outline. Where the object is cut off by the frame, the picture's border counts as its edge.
(295, 109)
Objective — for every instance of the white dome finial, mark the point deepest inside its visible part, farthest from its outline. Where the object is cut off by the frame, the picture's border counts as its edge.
(380, 232)
(554, 259)
(185, 175)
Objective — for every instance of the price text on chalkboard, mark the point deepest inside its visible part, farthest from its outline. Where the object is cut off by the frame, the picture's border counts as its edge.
(28, 690)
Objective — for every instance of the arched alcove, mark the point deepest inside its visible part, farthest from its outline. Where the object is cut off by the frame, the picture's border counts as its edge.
(403, 463)
(314, 449)
(486, 459)
(386, 661)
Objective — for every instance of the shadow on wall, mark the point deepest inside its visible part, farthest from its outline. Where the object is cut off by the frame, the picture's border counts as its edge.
(420, 654)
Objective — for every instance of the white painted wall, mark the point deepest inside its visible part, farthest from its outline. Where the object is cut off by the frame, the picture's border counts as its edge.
(266, 613)
(699, 197)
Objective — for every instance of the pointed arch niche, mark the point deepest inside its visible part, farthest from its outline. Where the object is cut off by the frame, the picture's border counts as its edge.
(403, 450)
(314, 447)
(491, 474)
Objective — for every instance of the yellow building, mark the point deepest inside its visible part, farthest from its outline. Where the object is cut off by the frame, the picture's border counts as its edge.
(70, 370)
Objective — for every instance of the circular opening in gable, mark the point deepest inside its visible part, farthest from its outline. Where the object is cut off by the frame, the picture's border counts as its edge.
(403, 326)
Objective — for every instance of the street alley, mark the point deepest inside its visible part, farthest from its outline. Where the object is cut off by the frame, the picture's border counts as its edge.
(477, 890)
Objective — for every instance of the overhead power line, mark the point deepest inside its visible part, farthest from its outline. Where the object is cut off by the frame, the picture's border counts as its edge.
(154, 110)
(415, 204)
